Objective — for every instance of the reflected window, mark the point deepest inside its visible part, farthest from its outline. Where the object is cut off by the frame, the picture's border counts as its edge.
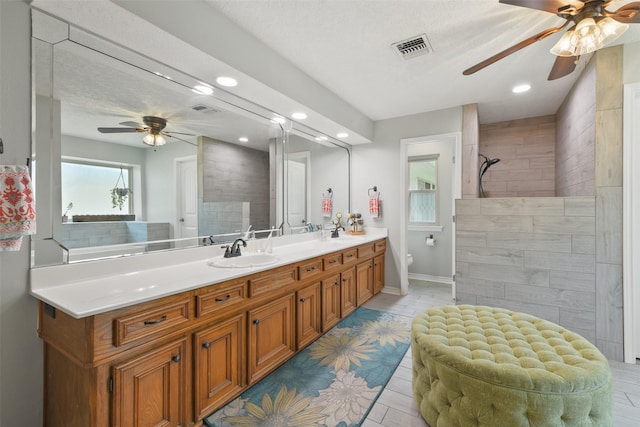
(423, 190)
(88, 189)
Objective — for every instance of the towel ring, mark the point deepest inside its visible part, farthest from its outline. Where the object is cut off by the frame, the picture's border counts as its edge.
(328, 193)
(375, 191)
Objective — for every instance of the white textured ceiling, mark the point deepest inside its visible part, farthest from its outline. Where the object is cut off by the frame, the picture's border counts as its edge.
(346, 46)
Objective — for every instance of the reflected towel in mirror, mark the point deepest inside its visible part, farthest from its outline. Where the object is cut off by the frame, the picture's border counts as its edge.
(17, 212)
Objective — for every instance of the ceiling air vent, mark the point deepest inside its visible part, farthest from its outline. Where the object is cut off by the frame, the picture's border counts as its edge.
(204, 108)
(412, 47)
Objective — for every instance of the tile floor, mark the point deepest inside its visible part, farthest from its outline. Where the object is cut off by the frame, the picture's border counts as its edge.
(396, 406)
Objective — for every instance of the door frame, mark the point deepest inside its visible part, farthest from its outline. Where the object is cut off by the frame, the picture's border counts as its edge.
(456, 193)
(631, 228)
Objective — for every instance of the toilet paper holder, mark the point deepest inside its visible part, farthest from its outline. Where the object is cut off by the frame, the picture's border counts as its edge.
(430, 241)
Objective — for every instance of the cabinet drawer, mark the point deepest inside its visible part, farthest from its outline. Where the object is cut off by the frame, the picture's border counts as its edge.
(332, 261)
(380, 246)
(220, 298)
(309, 269)
(271, 282)
(349, 255)
(149, 322)
(366, 250)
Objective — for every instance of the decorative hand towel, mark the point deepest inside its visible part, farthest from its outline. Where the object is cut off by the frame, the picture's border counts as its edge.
(327, 204)
(17, 213)
(327, 207)
(374, 205)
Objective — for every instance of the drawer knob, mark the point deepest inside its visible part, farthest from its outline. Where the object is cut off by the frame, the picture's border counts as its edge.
(176, 358)
(227, 298)
(310, 269)
(156, 321)
(333, 261)
(206, 345)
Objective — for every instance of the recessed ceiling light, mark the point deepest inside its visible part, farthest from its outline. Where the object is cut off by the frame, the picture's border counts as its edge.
(299, 116)
(321, 138)
(521, 88)
(280, 120)
(243, 139)
(158, 73)
(227, 81)
(342, 135)
(202, 90)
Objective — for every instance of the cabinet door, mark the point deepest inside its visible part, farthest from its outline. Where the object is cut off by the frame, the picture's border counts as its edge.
(219, 357)
(378, 274)
(348, 292)
(271, 336)
(330, 302)
(308, 315)
(149, 390)
(364, 281)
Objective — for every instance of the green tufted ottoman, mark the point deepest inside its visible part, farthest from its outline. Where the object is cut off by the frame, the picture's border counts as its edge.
(483, 366)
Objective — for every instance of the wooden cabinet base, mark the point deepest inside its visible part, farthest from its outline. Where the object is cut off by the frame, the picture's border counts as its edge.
(173, 361)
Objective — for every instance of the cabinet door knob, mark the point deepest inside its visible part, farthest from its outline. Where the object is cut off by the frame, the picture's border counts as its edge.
(256, 321)
(336, 283)
(344, 280)
(176, 358)
(206, 344)
(303, 299)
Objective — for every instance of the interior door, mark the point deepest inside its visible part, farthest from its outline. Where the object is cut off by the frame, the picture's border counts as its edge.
(297, 200)
(187, 197)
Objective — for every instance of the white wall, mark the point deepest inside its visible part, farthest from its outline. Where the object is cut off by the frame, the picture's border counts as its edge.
(379, 164)
(20, 347)
(631, 63)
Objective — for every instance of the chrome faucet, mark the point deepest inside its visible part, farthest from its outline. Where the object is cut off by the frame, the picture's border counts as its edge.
(334, 233)
(234, 249)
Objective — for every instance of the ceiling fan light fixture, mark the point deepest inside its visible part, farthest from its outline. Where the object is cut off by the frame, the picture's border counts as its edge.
(610, 29)
(154, 140)
(589, 36)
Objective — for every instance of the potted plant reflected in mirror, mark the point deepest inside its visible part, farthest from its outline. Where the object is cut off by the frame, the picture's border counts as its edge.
(65, 218)
(119, 197)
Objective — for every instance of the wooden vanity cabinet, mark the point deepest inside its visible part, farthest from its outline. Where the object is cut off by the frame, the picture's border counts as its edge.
(364, 281)
(271, 336)
(219, 353)
(175, 360)
(331, 313)
(308, 319)
(378, 274)
(348, 292)
(150, 389)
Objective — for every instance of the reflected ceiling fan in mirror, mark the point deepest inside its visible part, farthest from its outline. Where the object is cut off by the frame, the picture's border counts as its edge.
(153, 126)
(593, 27)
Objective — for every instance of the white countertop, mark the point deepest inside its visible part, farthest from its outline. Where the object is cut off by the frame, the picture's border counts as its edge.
(94, 287)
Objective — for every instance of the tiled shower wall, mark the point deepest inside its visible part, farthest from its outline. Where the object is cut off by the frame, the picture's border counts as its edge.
(526, 149)
(533, 255)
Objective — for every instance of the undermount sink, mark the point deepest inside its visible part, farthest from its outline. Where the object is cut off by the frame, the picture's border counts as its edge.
(244, 261)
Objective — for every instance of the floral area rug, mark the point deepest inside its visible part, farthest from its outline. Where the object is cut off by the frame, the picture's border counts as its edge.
(332, 383)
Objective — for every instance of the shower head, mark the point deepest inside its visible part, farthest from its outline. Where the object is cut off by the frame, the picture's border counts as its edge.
(483, 168)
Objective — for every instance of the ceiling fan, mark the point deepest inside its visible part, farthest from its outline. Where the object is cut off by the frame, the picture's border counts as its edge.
(154, 126)
(593, 27)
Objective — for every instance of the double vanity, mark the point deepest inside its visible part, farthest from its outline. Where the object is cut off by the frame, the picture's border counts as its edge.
(167, 338)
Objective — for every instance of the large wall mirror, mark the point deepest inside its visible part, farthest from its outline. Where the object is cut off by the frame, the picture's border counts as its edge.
(106, 185)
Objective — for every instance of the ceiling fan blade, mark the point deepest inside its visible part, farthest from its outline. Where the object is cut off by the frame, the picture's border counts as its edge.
(132, 124)
(562, 66)
(119, 130)
(524, 43)
(627, 14)
(179, 139)
(551, 6)
(178, 133)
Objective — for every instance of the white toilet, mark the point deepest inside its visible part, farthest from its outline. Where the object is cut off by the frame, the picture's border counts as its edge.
(409, 259)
